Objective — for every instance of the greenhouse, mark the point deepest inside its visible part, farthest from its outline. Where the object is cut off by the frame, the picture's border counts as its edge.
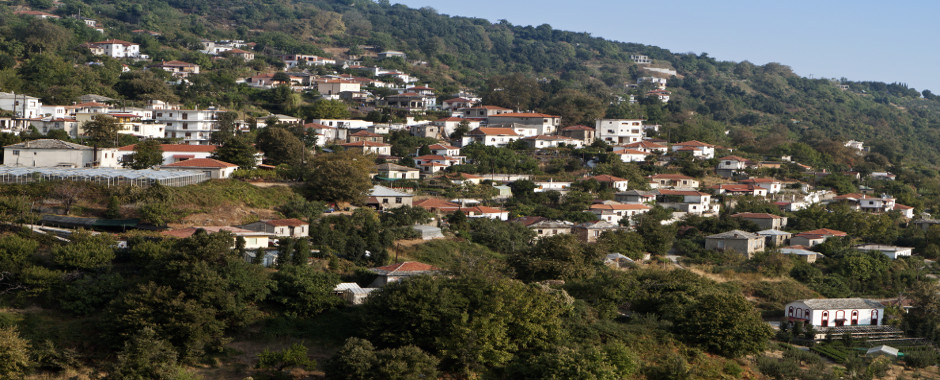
(103, 176)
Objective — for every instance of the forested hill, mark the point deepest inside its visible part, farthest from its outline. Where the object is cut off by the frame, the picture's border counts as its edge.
(766, 110)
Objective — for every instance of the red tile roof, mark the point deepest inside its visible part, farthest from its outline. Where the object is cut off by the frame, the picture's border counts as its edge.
(435, 204)
(441, 146)
(607, 178)
(364, 144)
(286, 222)
(758, 180)
(670, 176)
(694, 143)
(823, 232)
(493, 131)
(366, 134)
(407, 267)
(645, 144)
(317, 126)
(114, 42)
(201, 163)
(734, 158)
(680, 192)
(630, 206)
(629, 151)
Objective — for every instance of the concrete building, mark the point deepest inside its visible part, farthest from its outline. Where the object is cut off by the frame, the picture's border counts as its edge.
(735, 240)
(58, 153)
(193, 126)
(836, 312)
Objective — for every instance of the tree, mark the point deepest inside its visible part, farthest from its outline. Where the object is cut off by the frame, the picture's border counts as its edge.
(303, 291)
(325, 109)
(114, 208)
(14, 354)
(85, 251)
(339, 177)
(145, 356)
(102, 130)
(471, 324)
(236, 150)
(293, 356)
(725, 324)
(280, 146)
(226, 125)
(353, 361)
(147, 154)
(553, 257)
(68, 192)
(657, 237)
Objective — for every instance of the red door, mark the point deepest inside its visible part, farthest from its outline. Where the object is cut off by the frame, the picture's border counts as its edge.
(840, 318)
(874, 317)
(854, 317)
(825, 319)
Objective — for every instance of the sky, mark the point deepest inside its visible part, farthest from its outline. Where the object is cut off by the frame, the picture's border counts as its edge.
(859, 40)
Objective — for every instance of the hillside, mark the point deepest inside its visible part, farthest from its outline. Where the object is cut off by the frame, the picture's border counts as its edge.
(563, 261)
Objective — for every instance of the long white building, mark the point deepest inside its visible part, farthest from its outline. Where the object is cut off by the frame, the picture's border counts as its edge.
(193, 126)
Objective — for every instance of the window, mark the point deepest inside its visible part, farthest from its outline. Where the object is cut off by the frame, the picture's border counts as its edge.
(398, 200)
(185, 125)
(16, 153)
(384, 200)
(185, 116)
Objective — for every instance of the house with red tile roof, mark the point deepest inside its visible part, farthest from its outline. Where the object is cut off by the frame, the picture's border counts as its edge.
(483, 112)
(491, 136)
(551, 141)
(457, 103)
(773, 186)
(739, 189)
(118, 49)
(616, 183)
(369, 147)
(214, 168)
(179, 69)
(630, 155)
(527, 123)
(365, 135)
(172, 152)
(253, 239)
(614, 213)
(698, 149)
(689, 201)
(401, 271)
(647, 146)
(815, 237)
(672, 180)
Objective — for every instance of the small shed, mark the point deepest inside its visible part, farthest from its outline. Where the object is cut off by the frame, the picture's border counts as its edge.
(429, 232)
(340, 289)
(357, 296)
(883, 350)
(618, 260)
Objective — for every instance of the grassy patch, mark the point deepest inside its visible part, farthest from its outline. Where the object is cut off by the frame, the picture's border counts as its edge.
(219, 193)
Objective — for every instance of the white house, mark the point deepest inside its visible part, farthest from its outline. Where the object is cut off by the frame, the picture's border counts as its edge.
(253, 239)
(696, 148)
(551, 141)
(732, 163)
(773, 186)
(58, 153)
(616, 183)
(214, 168)
(118, 49)
(692, 202)
(172, 152)
(888, 250)
(193, 126)
(647, 146)
(530, 123)
(614, 213)
(630, 155)
(367, 147)
(673, 180)
(619, 131)
(21, 105)
(333, 87)
(815, 237)
(490, 136)
(836, 312)
(281, 227)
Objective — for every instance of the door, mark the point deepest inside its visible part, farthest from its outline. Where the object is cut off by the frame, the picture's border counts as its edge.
(874, 317)
(825, 319)
(840, 318)
(854, 317)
